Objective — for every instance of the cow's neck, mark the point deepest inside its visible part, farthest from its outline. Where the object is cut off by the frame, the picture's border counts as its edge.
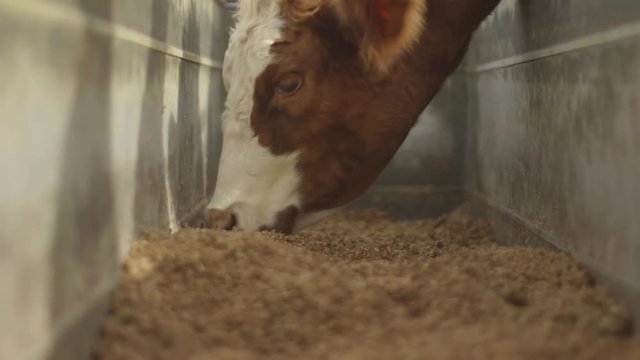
(449, 27)
(414, 83)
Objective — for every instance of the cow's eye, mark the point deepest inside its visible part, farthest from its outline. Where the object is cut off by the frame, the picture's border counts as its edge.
(289, 84)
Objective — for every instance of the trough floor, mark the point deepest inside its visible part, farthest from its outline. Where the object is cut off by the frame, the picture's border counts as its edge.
(359, 286)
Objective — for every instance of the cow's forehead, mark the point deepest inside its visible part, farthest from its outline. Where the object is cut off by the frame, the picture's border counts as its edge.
(255, 30)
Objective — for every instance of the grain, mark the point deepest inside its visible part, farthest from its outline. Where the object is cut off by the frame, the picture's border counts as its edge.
(359, 286)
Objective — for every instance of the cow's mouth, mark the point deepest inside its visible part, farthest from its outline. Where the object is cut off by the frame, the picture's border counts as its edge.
(220, 219)
(285, 221)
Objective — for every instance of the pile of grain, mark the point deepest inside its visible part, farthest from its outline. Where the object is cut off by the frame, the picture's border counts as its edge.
(359, 286)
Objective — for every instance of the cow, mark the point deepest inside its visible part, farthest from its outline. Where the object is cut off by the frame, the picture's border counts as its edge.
(320, 96)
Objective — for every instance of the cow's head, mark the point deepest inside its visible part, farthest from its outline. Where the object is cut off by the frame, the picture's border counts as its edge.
(300, 77)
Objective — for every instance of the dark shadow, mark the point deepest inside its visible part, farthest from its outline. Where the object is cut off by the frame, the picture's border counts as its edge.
(84, 250)
(150, 209)
(186, 167)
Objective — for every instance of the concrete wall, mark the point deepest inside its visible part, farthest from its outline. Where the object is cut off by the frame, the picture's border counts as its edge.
(554, 129)
(109, 112)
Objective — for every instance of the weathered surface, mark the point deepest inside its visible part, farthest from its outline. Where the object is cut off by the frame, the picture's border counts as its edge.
(554, 140)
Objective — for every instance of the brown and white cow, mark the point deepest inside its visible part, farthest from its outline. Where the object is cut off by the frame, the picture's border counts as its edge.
(321, 93)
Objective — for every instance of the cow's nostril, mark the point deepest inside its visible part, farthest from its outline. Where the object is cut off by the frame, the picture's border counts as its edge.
(221, 219)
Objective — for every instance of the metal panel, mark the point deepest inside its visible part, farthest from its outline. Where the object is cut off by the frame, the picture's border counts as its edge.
(519, 27)
(133, 19)
(105, 128)
(556, 146)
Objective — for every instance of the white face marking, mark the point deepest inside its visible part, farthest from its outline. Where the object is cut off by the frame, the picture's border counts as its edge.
(252, 181)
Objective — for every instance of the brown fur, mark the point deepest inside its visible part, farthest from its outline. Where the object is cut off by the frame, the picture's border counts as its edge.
(381, 41)
(297, 11)
(346, 120)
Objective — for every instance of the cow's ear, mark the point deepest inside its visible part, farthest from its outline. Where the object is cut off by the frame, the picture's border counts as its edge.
(298, 11)
(386, 29)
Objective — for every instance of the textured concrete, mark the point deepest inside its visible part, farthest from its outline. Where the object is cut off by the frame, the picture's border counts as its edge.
(110, 114)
